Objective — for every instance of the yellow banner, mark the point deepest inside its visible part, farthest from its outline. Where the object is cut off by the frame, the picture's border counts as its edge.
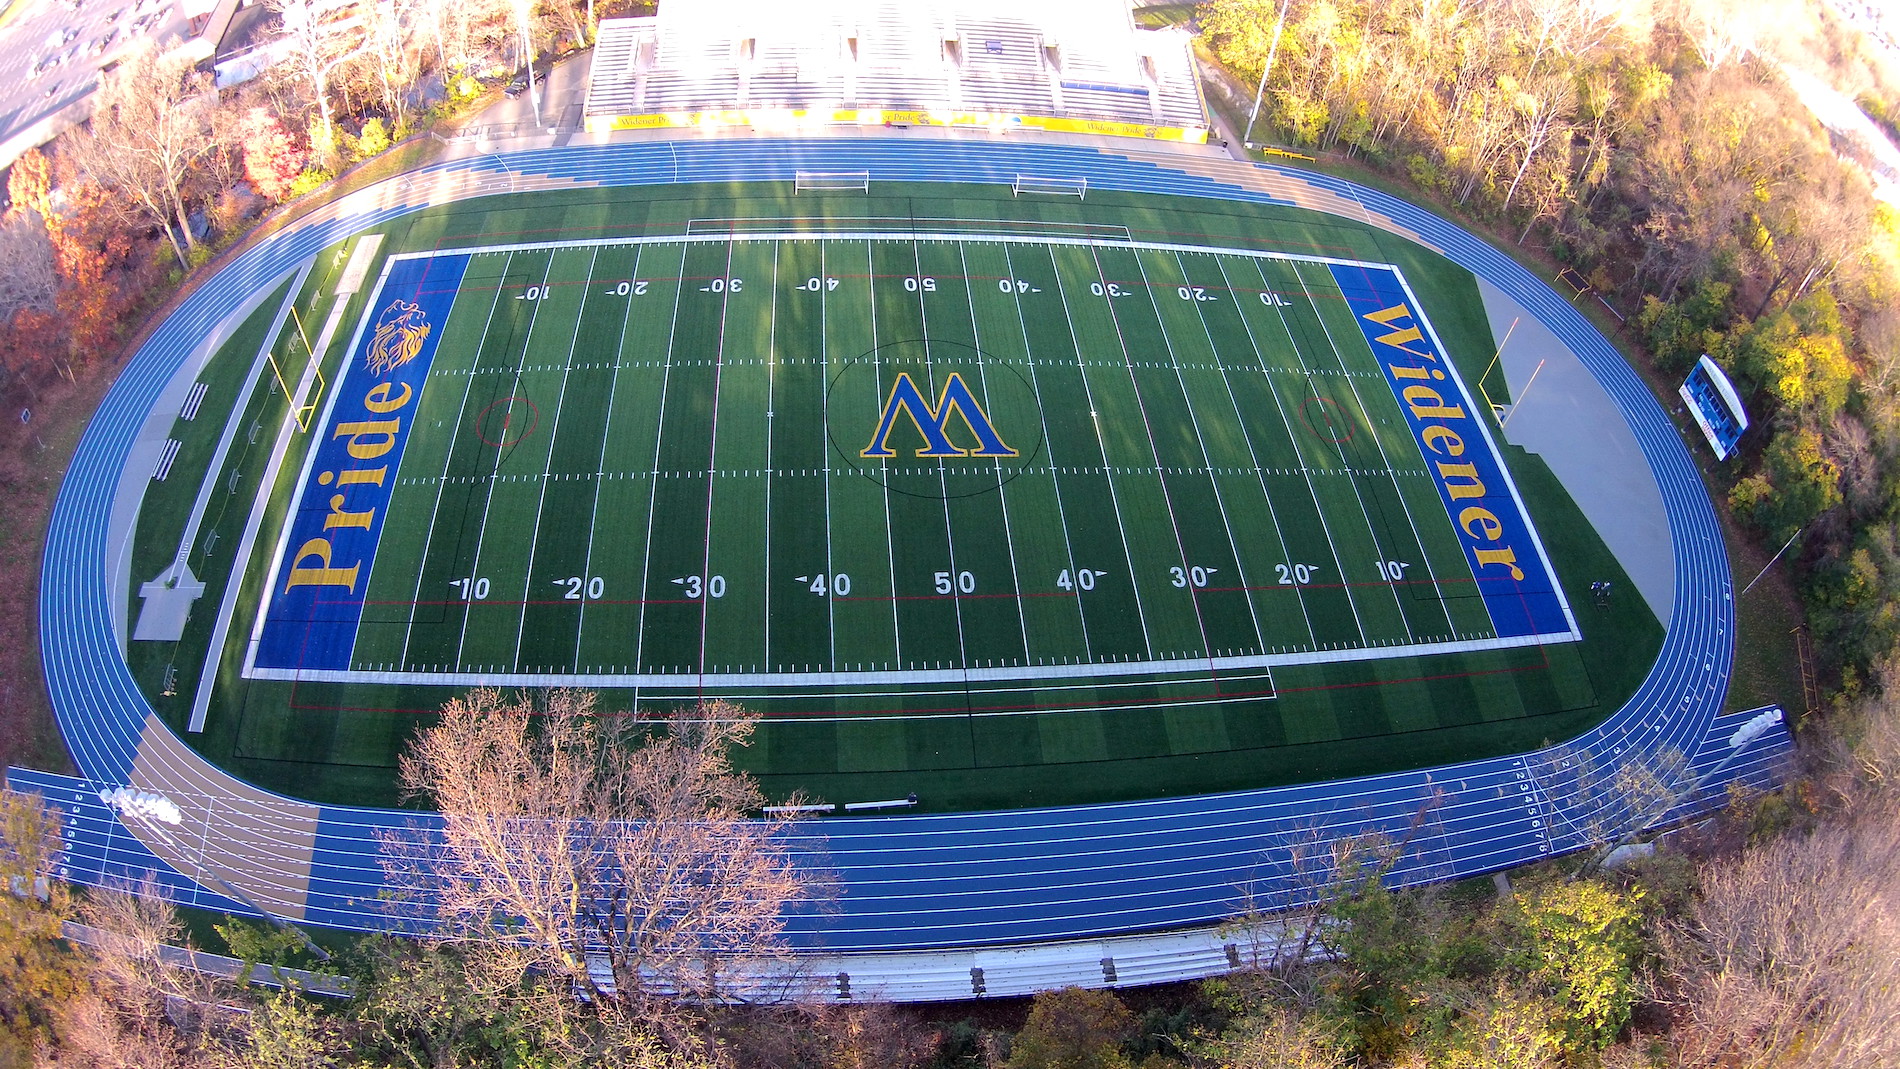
(994, 121)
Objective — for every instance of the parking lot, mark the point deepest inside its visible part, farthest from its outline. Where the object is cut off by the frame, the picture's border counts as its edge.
(51, 55)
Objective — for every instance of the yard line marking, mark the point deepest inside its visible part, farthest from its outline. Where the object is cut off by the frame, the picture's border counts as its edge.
(1279, 535)
(448, 454)
(771, 381)
(1364, 510)
(653, 488)
(943, 479)
(712, 466)
(593, 521)
(831, 569)
(1055, 482)
(1306, 473)
(1147, 425)
(547, 467)
(481, 534)
(1002, 484)
(1423, 551)
(1504, 470)
(1194, 419)
(890, 549)
(1088, 392)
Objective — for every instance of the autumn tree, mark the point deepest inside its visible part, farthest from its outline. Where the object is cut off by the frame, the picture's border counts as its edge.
(30, 183)
(91, 246)
(272, 157)
(36, 973)
(1073, 1028)
(618, 853)
(151, 124)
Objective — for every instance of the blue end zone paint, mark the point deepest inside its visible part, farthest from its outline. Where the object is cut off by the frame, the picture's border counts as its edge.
(1512, 576)
(316, 595)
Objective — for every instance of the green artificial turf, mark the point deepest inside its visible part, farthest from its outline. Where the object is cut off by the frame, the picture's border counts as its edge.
(1179, 419)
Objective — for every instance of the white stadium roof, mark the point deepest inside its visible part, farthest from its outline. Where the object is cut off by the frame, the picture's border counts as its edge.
(1078, 65)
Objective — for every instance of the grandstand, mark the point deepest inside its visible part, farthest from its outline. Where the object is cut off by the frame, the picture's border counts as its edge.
(1079, 66)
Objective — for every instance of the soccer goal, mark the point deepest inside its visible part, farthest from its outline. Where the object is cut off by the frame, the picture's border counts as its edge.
(822, 181)
(1061, 187)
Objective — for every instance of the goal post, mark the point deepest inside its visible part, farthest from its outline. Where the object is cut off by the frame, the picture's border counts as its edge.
(304, 396)
(1060, 187)
(824, 181)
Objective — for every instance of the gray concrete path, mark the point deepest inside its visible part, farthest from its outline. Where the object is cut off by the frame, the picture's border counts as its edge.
(1568, 419)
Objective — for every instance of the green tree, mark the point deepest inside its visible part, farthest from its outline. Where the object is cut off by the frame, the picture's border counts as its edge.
(1797, 483)
(1579, 945)
(1073, 1028)
(1509, 1030)
(1276, 1037)
(36, 972)
(1798, 368)
(1679, 332)
(286, 1032)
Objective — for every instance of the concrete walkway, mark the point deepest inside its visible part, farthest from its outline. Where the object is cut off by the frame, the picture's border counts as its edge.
(1569, 420)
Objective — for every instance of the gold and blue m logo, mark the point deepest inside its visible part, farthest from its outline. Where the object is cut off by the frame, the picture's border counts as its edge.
(906, 399)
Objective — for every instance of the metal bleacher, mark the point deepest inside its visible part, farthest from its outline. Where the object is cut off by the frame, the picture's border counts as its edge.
(987, 60)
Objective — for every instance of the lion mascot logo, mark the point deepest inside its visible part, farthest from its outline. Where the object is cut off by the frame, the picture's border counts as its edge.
(400, 332)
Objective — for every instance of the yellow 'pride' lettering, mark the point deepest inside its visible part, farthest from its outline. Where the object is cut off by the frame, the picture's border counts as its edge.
(322, 574)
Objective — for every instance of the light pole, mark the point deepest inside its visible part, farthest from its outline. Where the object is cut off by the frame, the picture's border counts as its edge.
(1278, 24)
(527, 49)
(1737, 742)
(158, 814)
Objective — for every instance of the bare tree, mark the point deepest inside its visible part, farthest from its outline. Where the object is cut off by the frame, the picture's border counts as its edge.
(1720, 32)
(1791, 957)
(394, 30)
(616, 852)
(151, 123)
(319, 37)
(31, 279)
(135, 1008)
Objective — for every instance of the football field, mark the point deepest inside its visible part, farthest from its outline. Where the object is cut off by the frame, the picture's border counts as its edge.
(854, 462)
